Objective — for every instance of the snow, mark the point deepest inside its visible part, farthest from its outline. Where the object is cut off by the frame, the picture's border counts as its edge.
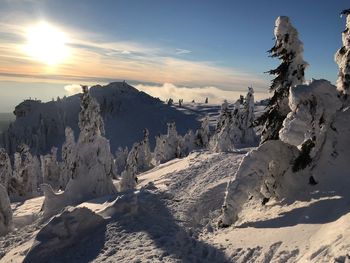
(172, 218)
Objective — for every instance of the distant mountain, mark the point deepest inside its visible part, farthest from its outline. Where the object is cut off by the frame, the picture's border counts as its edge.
(125, 110)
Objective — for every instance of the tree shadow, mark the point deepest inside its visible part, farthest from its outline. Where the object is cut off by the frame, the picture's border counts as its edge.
(154, 218)
(320, 212)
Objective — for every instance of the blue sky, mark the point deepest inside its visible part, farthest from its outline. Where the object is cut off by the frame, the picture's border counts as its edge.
(193, 44)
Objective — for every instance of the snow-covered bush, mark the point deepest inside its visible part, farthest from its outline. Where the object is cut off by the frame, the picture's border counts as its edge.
(167, 146)
(5, 168)
(285, 168)
(24, 183)
(289, 49)
(50, 169)
(93, 167)
(342, 58)
(5, 212)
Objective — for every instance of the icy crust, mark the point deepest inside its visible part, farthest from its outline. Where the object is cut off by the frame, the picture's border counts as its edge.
(342, 58)
(5, 212)
(313, 110)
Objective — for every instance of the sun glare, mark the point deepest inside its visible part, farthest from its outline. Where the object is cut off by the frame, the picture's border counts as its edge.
(46, 44)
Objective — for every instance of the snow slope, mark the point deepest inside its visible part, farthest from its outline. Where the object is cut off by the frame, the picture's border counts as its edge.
(172, 218)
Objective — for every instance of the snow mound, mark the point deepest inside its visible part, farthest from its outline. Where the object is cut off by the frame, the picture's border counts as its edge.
(62, 232)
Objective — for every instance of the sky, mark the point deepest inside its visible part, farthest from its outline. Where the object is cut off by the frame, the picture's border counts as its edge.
(168, 48)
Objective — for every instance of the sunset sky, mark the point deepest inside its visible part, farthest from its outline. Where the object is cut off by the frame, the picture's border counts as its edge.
(164, 47)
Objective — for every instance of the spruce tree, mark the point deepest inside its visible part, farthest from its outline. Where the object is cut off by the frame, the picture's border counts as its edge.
(289, 49)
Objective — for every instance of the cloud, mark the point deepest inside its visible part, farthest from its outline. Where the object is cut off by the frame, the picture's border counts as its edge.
(180, 51)
(72, 89)
(93, 58)
(215, 95)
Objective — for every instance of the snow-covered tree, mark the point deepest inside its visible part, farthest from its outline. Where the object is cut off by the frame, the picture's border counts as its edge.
(228, 134)
(187, 143)
(121, 156)
(5, 212)
(93, 167)
(289, 49)
(26, 172)
(170, 102)
(68, 158)
(287, 168)
(50, 169)
(90, 121)
(342, 58)
(5, 168)
(129, 175)
(247, 119)
(167, 146)
(203, 133)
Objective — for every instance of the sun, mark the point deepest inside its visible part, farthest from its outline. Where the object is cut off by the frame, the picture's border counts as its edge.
(46, 44)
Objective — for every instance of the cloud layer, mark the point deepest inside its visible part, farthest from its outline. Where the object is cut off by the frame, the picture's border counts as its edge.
(215, 95)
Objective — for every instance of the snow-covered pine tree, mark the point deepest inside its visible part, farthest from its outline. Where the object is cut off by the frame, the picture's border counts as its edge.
(187, 143)
(168, 146)
(225, 114)
(342, 58)
(5, 168)
(247, 119)
(203, 134)
(90, 121)
(93, 167)
(5, 212)
(289, 49)
(221, 140)
(50, 169)
(25, 174)
(129, 175)
(68, 158)
(121, 156)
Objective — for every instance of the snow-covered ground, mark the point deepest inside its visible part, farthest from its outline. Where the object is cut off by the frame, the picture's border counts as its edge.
(172, 218)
